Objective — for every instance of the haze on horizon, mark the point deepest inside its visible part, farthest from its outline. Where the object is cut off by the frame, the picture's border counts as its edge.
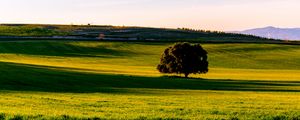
(225, 15)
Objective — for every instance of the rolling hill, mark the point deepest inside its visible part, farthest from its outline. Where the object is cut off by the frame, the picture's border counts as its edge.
(91, 80)
(118, 80)
(119, 33)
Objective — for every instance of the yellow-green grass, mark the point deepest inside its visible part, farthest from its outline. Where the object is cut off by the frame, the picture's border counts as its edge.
(156, 104)
(118, 80)
(227, 61)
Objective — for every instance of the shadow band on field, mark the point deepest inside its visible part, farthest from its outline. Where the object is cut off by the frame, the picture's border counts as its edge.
(55, 50)
(23, 77)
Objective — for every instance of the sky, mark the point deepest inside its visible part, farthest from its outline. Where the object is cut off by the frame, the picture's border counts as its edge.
(222, 15)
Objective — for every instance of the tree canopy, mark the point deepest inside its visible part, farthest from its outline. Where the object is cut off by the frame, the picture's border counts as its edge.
(184, 58)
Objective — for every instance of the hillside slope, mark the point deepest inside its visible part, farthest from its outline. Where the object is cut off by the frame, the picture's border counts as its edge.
(138, 58)
(118, 80)
(119, 33)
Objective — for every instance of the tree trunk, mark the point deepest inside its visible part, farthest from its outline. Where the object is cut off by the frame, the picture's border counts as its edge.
(186, 75)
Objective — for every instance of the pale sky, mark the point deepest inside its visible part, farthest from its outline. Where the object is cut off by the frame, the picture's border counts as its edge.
(199, 14)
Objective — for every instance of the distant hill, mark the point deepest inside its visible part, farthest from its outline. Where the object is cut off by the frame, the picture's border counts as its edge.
(121, 33)
(118, 32)
(275, 33)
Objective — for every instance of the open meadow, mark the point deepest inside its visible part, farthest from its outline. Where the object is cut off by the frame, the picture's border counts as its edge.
(119, 80)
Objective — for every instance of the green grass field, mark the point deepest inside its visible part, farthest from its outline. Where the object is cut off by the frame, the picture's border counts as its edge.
(119, 80)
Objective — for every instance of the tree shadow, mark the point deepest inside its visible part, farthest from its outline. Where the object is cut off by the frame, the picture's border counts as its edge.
(23, 77)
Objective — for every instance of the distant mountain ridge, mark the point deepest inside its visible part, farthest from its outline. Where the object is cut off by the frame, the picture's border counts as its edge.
(274, 33)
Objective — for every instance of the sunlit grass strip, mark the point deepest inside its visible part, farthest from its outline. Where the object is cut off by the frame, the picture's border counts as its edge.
(155, 104)
(123, 66)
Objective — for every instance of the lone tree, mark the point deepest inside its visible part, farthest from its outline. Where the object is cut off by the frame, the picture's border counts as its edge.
(184, 58)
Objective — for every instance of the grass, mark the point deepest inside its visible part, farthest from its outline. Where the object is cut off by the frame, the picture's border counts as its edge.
(228, 61)
(118, 80)
(156, 104)
(29, 31)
